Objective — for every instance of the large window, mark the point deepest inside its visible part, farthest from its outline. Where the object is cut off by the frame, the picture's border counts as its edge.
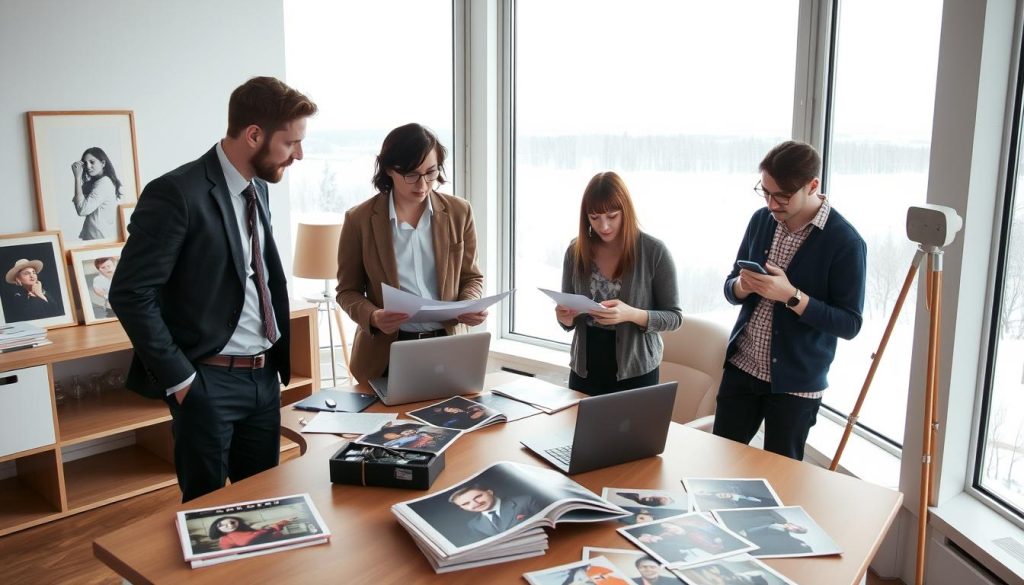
(370, 67)
(680, 98)
(999, 471)
(877, 166)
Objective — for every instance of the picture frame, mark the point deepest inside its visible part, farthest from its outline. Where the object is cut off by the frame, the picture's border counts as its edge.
(44, 299)
(84, 164)
(125, 217)
(93, 269)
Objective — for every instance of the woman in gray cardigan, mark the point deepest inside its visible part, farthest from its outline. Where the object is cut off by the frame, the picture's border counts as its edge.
(632, 275)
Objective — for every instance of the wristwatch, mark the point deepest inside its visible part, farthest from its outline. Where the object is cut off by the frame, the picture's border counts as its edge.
(794, 300)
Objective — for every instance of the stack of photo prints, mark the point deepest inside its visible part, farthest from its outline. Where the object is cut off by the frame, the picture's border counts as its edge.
(236, 531)
(714, 533)
(458, 413)
(498, 515)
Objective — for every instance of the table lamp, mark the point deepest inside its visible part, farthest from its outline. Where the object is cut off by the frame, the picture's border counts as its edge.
(316, 257)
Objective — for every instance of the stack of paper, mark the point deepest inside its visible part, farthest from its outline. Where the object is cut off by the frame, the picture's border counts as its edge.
(21, 336)
(540, 394)
(498, 515)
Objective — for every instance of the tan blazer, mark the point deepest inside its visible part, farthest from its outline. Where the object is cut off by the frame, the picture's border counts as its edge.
(366, 258)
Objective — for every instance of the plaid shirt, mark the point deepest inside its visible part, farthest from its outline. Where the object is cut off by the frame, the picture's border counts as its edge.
(754, 346)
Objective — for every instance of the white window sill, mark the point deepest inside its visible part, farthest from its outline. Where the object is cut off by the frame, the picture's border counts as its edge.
(974, 527)
(543, 362)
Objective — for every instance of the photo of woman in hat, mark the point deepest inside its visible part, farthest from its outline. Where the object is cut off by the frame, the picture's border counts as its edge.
(27, 300)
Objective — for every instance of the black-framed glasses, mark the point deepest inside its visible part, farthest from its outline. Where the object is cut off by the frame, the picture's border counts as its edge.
(413, 178)
(780, 197)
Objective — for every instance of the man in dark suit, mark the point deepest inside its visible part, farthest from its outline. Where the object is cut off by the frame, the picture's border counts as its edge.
(493, 515)
(202, 295)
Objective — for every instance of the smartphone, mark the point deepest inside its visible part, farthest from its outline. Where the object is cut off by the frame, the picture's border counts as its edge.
(751, 266)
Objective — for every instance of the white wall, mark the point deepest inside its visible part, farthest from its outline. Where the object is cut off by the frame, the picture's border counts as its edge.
(173, 63)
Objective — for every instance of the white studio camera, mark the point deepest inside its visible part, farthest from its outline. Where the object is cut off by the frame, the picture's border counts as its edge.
(933, 226)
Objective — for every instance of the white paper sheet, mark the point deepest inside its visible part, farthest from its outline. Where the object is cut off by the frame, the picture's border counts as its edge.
(573, 301)
(422, 310)
(347, 422)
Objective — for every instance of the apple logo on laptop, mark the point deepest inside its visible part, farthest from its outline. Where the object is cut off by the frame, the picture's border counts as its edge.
(438, 368)
(625, 425)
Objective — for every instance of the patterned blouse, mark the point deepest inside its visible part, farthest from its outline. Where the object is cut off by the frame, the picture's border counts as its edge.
(602, 289)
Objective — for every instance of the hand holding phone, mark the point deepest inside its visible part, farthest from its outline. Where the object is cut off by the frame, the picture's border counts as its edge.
(751, 266)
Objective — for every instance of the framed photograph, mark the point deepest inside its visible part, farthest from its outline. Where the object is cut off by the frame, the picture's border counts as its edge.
(35, 287)
(94, 269)
(84, 165)
(125, 211)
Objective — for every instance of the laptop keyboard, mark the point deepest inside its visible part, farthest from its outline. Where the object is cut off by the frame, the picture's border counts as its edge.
(563, 454)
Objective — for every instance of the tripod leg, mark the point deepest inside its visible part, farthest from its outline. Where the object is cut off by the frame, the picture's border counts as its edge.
(344, 338)
(877, 357)
(930, 407)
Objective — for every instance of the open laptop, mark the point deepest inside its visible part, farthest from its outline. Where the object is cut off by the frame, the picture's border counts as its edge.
(436, 367)
(612, 429)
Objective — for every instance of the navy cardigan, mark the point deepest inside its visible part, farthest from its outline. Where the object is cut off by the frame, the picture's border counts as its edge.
(830, 268)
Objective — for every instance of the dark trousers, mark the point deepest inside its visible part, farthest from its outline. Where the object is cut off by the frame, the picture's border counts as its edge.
(602, 367)
(744, 401)
(228, 427)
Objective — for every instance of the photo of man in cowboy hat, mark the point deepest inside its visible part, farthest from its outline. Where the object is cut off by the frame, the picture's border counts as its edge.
(26, 300)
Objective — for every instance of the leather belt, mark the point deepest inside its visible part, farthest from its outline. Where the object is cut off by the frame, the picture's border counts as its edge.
(410, 335)
(250, 362)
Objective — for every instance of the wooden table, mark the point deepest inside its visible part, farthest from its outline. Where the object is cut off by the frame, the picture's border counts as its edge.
(369, 546)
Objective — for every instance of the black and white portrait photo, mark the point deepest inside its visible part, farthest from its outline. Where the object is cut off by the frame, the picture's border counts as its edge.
(35, 287)
(85, 168)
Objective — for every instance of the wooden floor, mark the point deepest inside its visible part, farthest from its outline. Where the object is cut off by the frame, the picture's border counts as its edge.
(61, 552)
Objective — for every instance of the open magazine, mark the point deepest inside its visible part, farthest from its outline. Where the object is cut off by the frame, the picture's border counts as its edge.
(245, 529)
(498, 515)
(458, 413)
(545, 396)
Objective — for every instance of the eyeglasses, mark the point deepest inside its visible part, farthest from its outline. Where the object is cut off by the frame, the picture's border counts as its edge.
(413, 178)
(780, 197)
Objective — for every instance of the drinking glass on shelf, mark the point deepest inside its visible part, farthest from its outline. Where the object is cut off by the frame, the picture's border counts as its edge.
(60, 396)
(113, 379)
(77, 389)
(95, 385)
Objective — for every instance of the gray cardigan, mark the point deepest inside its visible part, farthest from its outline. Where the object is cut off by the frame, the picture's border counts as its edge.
(651, 284)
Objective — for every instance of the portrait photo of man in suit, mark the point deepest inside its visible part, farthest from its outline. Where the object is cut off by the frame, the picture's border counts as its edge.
(201, 292)
(493, 515)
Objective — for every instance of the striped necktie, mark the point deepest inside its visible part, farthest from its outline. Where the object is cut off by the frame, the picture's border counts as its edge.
(252, 216)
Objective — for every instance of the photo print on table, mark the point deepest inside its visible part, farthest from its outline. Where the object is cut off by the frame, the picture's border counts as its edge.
(738, 569)
(411, 436)
(707, 494)
(687, 539)
(779, 532)
(640, 567)
(591, 571)
(646, 505)
(457, 413)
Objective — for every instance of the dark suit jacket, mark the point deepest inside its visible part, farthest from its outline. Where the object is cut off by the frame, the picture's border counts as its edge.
(512, 511)
(179, 286)
(366, 259)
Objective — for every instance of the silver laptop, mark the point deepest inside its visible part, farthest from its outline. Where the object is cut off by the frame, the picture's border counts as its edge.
(612, 429)
(436, 367)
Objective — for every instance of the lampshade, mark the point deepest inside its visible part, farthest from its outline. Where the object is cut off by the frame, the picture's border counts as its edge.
(316, 251)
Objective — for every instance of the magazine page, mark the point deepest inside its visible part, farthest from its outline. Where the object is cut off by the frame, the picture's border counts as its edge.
(457, 413)
(779, 532)
(411, 436)
(236, 557)
(738, 569)
(645, 505)
(595, 570)
(249, 526)
(512, 409)
(639, 566)
(686, 540)
(719, 493)
(501, 500)
(544, 395)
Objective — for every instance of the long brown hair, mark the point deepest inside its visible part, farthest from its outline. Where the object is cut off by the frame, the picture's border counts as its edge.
(607, 192)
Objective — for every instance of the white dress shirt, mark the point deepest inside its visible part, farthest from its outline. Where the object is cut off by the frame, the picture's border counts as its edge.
(414, 256)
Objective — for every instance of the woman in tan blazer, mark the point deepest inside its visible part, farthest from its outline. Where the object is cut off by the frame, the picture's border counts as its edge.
(410, 237)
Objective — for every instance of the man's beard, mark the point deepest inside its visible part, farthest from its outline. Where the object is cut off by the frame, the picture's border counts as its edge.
(264, 167)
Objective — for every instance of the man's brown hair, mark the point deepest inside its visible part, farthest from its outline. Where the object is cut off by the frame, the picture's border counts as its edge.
(268, 103)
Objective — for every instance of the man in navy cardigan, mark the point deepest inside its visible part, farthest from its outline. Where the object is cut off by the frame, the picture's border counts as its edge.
(812, 293)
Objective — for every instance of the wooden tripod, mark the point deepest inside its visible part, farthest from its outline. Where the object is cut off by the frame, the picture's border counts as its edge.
(934, 303)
